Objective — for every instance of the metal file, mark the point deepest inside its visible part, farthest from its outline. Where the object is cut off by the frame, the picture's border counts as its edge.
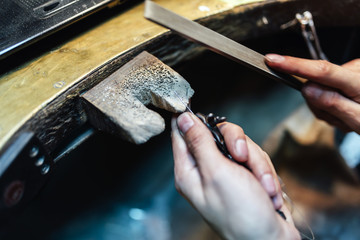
(215, 42)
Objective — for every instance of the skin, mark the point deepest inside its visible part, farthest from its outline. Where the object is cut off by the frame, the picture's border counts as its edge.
(240, 204)
(237, 203)
(332, 91)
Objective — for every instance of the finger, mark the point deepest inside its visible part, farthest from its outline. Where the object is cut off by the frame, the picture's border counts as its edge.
(187, 178)
(278, 200)
(327, 117)
(287, 213)
(353, 65)
(200, 143)
(319, 71)
(258, 161)
(333, 103)
(235, 140)
(289, 227)
(263, 169)
(183, 160)
(322, 115)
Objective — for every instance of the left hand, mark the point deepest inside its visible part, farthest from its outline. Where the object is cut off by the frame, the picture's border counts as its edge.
(232, 199)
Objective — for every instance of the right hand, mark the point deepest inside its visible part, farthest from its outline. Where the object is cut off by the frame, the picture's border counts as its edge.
(332, 91)
(233, 200)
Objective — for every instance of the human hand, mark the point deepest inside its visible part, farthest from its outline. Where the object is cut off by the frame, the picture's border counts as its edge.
(233, 200)
(332, 91)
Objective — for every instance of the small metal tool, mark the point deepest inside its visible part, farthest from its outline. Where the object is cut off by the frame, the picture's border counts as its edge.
(308, 30)
(215, 42)
(310, 35)
(210, 120)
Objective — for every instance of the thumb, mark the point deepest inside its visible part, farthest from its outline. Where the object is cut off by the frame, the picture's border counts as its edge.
(200, 142)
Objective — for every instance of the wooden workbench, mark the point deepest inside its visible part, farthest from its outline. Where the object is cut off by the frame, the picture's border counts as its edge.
(41, 95)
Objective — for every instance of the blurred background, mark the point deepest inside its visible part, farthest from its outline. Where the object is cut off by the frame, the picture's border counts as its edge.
(111, 189)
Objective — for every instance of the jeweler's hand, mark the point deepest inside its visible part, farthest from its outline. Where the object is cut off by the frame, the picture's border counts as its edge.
(332, 91)
(233, 200)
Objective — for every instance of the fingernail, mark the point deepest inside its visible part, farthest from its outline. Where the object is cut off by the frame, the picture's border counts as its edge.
(278, 201)
(241, 148)
(274, 58)
(312, 91)
(268, 182)
(185, 122)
